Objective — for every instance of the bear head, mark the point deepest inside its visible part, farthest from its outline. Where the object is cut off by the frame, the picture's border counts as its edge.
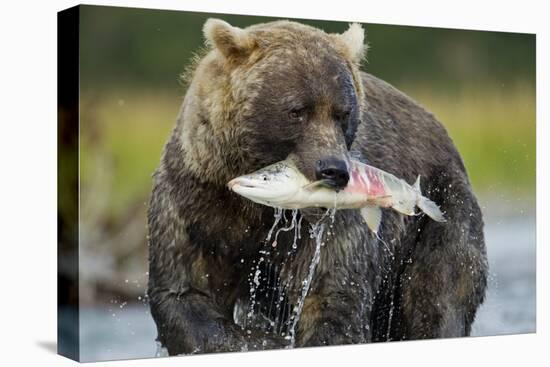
(273, 91)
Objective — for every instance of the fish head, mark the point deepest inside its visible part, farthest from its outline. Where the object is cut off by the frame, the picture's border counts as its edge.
(273, 185)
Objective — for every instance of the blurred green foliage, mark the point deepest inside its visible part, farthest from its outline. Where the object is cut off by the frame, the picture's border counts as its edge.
(149, 48)
(493, 127)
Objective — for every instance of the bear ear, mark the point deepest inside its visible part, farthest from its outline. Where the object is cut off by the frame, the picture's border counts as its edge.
(354, 39)
(230, 41)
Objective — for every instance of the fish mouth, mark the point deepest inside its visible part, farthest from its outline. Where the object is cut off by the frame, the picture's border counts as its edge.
(241, 182)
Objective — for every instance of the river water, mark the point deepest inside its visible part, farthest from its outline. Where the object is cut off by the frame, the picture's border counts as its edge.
(124, 331)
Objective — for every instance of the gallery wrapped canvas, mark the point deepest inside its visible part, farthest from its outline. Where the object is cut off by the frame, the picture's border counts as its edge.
(233, 183)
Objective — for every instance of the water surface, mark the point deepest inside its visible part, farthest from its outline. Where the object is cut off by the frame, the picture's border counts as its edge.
(123, 331)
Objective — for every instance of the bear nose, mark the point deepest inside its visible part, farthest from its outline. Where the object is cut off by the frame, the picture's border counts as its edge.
(334, 171)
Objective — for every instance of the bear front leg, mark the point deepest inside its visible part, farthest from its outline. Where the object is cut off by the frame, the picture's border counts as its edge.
(444, 281)
(336, 318)
(192, 314)
(190, 322)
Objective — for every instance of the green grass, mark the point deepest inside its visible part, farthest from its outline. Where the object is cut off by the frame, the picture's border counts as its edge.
(123, 134)
(494, 130)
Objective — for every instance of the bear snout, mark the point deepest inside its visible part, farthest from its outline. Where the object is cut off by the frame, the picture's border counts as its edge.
(333, 170)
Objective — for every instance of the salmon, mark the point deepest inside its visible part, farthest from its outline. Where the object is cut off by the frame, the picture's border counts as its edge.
(282, 185)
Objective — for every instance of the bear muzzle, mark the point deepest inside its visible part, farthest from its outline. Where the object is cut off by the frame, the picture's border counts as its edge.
(333, 171)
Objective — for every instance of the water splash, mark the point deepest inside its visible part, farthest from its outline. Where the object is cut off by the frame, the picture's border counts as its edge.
(292, 225)
(254, 284)
(297, 233)
(278, 215)
(284, 310)
(388, 249)
(255, 276)
(316, 233)
(161, 351)
(282, 307)
(390, 317)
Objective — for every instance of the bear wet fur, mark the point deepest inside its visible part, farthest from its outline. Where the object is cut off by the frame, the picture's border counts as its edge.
(283, 90)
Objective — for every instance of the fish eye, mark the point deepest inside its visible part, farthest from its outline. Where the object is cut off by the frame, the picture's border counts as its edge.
(264, 177)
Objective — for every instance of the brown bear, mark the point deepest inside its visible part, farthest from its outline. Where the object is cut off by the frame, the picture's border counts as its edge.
(283, 90)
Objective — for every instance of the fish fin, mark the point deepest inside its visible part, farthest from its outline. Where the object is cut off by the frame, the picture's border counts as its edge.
(372, 216)
(416, 185)
(431, 209)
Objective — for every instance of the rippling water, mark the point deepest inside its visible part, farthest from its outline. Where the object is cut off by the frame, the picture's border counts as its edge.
(510, 306)
(111, 332)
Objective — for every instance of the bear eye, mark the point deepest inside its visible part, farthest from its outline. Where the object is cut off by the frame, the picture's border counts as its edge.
(297, 114)
(342, 116)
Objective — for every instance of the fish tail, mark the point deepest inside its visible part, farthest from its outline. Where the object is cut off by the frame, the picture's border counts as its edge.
(430, 208)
